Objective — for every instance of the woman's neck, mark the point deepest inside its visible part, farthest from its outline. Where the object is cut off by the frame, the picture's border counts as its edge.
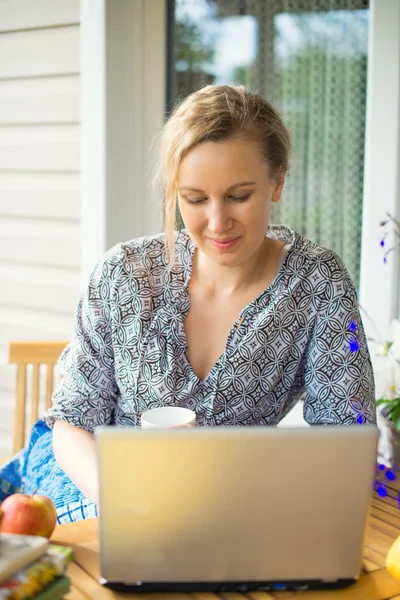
(220, 280)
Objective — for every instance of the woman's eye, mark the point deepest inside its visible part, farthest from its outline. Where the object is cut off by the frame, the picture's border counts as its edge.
(234, 198)
(241, 198)
(195, 200)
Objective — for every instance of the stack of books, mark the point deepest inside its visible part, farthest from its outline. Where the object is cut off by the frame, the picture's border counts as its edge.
(31, 567)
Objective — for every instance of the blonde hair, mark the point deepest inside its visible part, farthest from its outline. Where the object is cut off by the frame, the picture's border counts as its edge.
(216, 113)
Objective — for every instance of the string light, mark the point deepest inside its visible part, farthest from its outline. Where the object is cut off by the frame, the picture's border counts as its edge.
(380, 485)
(382, 491)
(354, 345)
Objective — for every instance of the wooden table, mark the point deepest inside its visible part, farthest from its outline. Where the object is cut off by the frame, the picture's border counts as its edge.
(375, 582)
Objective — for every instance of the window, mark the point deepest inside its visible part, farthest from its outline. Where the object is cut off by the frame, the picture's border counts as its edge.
(309, 58)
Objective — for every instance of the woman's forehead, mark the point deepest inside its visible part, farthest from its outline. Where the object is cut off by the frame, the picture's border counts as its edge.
(243, 157)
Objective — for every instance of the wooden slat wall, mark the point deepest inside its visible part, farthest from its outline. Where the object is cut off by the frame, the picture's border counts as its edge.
(39, 179)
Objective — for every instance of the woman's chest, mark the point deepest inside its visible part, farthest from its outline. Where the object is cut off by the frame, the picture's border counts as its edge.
(226, 369)
(207, 326)
(169, 352)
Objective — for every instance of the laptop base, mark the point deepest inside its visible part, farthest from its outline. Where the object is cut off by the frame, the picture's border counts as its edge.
(225, 586)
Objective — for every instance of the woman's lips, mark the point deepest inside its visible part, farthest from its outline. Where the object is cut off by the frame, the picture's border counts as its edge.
(224, 244)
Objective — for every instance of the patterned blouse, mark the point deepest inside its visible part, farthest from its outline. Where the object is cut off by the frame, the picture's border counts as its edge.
(301, 336)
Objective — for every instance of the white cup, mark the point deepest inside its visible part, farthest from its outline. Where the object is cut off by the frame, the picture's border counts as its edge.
(168, 416)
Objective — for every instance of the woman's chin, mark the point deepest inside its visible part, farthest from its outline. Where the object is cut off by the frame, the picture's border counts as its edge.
(224, 258)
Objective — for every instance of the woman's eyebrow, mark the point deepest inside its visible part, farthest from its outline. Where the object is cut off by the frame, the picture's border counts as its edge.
(235, 185)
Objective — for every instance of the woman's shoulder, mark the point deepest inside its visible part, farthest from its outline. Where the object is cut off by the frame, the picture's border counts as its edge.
(144, 251)
(308, 260)
(143, 263)
(305, 251)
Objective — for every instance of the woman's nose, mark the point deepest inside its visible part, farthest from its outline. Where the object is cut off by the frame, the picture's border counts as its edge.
(219, 219)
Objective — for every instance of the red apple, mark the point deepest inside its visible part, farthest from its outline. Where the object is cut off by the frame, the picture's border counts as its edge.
(28, 514)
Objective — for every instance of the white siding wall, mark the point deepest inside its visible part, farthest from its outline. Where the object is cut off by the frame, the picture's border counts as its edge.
(39, 179)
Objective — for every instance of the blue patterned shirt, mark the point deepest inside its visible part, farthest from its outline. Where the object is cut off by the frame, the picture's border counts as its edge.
(302, 335)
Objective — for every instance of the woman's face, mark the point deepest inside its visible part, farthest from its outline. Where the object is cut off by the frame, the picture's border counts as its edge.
(224, 195)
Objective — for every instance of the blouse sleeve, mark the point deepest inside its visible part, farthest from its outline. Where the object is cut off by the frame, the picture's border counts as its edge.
(338, 376)
(87, 394)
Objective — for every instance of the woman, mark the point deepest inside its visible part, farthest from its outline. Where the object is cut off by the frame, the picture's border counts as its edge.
(231, 317)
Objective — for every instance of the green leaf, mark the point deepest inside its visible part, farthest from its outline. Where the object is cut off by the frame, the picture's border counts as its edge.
(382, 401)
(395, 414)
(388, 401)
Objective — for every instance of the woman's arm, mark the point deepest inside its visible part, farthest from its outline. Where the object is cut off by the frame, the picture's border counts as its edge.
(75, 452)
(338, 375)
(88, 393)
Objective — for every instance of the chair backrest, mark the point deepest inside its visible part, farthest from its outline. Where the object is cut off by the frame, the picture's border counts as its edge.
(36, 354)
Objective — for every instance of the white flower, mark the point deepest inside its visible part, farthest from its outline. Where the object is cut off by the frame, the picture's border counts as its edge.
(384, 349)
(387, 367)
(394, 336)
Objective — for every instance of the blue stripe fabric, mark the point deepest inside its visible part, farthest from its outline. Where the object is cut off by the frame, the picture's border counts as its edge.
(35, 468)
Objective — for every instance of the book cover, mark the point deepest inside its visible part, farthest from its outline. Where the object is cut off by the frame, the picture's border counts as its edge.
(56, 590)
(36, 576)
(17, 551)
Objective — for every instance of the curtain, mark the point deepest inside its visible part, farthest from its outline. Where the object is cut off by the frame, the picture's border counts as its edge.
(309, 58)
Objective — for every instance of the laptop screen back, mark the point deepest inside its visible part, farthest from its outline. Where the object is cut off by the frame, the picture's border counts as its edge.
(234, 504)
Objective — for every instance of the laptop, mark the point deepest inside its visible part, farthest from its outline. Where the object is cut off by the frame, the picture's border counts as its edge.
(233, 509)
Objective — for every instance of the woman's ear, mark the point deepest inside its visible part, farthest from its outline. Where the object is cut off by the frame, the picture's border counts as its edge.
(279, 183)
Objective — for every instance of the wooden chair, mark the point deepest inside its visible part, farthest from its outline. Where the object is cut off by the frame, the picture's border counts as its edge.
(36, 354)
